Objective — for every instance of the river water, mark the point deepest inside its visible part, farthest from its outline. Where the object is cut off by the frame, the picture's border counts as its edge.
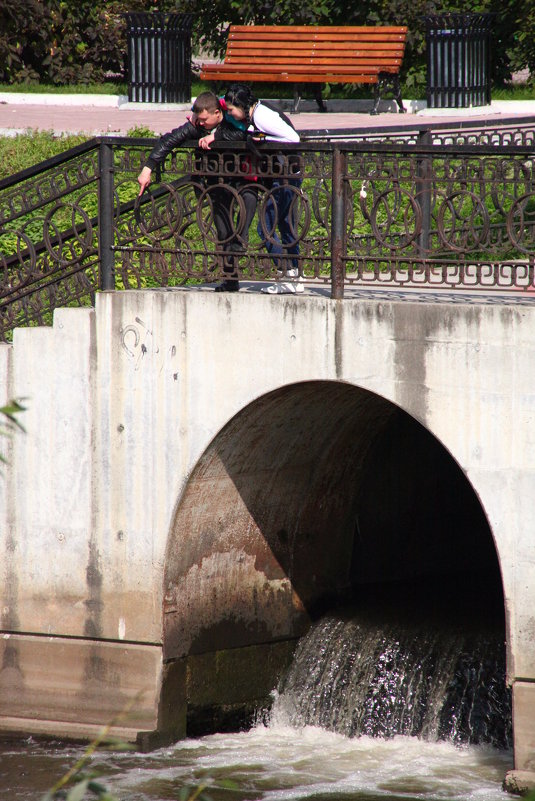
(274, 763)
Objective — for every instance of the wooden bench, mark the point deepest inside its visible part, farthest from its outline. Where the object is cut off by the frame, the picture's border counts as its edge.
(313, 55)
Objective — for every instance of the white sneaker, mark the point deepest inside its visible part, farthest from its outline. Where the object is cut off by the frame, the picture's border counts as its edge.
(284, 288)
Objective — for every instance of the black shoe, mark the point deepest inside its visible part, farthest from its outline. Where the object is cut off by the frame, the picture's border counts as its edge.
(227, 286)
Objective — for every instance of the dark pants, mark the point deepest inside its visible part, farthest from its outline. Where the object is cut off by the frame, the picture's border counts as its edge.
(280, 212)
(232, 223)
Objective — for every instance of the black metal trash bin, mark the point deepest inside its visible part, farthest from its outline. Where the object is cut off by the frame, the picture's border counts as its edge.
(458, 60)
(159, 57)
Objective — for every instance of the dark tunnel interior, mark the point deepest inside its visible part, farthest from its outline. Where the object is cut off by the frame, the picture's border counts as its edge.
(332, 494)
(420, 531)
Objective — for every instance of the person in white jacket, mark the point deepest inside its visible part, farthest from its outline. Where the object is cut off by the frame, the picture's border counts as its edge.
(267, 123)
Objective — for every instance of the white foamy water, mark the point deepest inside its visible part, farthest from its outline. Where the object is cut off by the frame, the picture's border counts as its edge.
(272, 764)
(279, 763)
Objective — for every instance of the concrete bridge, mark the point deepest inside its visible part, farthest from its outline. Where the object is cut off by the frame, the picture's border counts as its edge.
(201, 475)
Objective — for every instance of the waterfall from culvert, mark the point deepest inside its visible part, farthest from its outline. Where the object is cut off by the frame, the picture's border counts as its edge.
(357, 677)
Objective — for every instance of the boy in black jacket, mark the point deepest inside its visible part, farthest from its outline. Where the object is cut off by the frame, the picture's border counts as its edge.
(208, 117)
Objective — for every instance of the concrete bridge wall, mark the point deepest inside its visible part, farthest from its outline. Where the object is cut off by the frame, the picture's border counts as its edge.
(194, 467)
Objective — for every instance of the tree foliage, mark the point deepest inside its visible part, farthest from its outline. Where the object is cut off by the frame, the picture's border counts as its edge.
(63, 41)
(77, 41)
(510, 46)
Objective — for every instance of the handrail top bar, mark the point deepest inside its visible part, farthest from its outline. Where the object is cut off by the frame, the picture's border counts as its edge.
(365, 146)
(345, 144)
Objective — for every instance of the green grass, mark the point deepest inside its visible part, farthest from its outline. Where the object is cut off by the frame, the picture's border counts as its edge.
(520, 91)
(22, 151)
(74, 89)
(27, 149)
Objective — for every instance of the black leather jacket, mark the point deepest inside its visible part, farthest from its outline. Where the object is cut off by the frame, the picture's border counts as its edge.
(166, 143)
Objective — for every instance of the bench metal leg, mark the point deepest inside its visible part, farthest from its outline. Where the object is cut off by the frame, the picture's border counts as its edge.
(390, 82)
(317, 87)
(376, 99)
(397, 95)
(297, 98)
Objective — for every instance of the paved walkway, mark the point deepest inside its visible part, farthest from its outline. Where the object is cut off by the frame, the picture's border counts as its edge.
(99, 114)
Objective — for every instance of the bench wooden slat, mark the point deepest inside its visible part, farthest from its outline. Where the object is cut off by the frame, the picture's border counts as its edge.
(296, 77)
(277, 77)
(316, 72)
(317, 48)
(304, 59)
(349, 51)
(310, 29)
(318, 39)
(316, 58)
(326, 64)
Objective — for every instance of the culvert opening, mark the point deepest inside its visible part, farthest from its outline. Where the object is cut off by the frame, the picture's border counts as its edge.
(320, 497)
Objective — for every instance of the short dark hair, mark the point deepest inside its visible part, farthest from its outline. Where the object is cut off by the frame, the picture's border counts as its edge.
(206, 101)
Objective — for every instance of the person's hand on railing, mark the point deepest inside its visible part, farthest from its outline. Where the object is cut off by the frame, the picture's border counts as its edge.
(206, 141)
(143, 179)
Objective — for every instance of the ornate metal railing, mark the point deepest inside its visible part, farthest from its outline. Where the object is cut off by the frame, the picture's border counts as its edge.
(49, 249)
(442, 208)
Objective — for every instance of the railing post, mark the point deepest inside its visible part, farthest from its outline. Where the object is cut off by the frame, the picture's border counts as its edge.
(423, 193)
(105, 216)
(338, 223)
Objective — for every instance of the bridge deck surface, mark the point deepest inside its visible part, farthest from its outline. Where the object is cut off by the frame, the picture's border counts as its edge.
(391, 293)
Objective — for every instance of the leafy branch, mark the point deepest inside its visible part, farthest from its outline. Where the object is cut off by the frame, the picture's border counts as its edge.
(11, 424)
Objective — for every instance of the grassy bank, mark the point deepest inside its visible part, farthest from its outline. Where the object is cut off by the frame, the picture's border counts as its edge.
(25, 150)
(22, 151)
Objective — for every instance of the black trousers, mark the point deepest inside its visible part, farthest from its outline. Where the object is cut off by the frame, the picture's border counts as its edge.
(232, 221)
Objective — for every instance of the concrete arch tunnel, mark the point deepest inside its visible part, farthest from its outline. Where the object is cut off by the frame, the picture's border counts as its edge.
(317, 493)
